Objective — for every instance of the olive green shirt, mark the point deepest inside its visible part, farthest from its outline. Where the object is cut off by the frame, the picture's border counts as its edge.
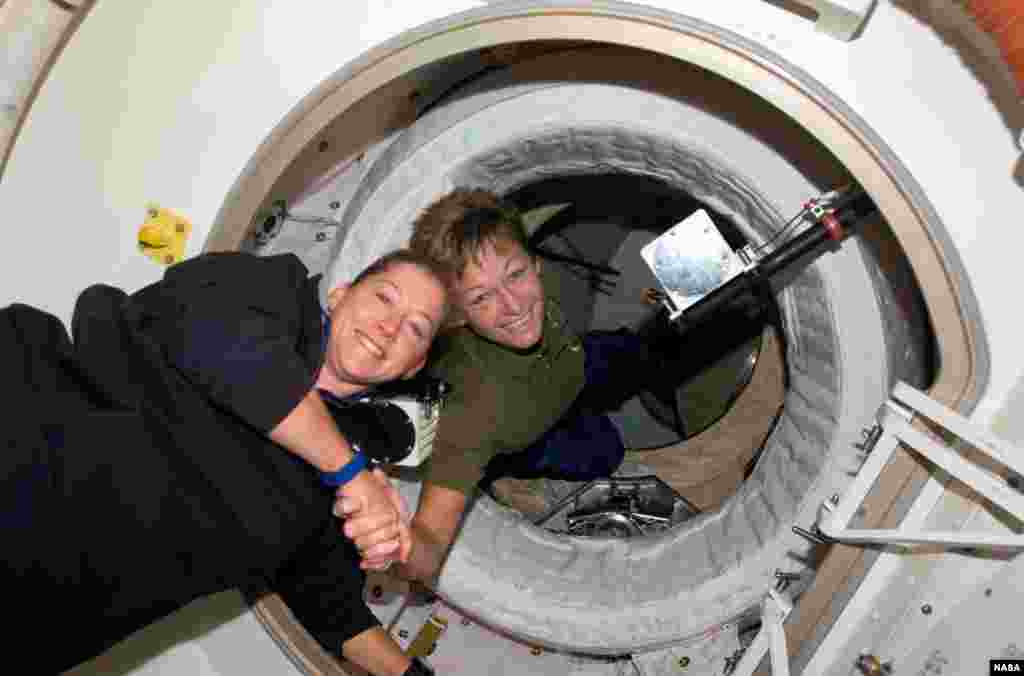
(502, 400)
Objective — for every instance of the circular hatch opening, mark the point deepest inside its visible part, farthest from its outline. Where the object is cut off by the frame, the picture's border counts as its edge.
(280, 170)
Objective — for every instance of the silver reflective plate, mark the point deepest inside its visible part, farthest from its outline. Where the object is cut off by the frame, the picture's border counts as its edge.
(691, 260)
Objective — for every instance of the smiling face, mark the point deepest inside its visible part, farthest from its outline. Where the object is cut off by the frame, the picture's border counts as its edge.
(500, 295)
(381, 328)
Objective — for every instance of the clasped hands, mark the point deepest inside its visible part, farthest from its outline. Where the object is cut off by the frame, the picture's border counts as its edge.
(375, 518)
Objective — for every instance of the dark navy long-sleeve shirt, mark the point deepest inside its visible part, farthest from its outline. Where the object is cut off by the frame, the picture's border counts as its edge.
(137, 474)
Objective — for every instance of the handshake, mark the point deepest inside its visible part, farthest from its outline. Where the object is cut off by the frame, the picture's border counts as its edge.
(376, 519)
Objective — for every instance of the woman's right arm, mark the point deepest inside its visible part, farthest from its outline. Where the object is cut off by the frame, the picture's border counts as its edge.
(309, 431)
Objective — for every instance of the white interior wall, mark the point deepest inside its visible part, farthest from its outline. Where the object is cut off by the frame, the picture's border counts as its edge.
(166, 102)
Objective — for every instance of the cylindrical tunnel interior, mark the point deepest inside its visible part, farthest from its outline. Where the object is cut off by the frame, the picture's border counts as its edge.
(519, 100)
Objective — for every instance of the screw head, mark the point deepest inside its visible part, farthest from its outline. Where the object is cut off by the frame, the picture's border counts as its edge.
(535, 651)
(870, 665)
(335, 204)
(926, 609)
(683, 662)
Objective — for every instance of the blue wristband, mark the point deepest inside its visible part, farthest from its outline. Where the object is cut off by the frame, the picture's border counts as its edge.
(354, 466)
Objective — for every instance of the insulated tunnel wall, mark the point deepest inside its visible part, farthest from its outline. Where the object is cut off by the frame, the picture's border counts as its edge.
(827, 336)
(509, 130)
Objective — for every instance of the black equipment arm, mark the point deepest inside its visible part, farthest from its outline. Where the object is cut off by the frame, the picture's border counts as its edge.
(831, 227)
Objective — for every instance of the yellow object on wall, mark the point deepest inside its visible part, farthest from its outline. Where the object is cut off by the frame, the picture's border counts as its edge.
(163, 235)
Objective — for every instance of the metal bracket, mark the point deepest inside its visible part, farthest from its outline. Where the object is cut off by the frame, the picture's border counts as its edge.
(895, 418)
(842, 19)
(771, 639)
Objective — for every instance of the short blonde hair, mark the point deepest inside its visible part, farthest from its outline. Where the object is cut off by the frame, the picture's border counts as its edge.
(453, 230)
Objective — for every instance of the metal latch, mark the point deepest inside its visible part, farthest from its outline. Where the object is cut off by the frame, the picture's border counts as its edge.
(842, 19)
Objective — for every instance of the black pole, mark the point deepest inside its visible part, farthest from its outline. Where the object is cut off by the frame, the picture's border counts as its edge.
(832, 227)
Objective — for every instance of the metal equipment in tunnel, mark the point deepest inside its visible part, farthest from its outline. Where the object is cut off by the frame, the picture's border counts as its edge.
(713, 109)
